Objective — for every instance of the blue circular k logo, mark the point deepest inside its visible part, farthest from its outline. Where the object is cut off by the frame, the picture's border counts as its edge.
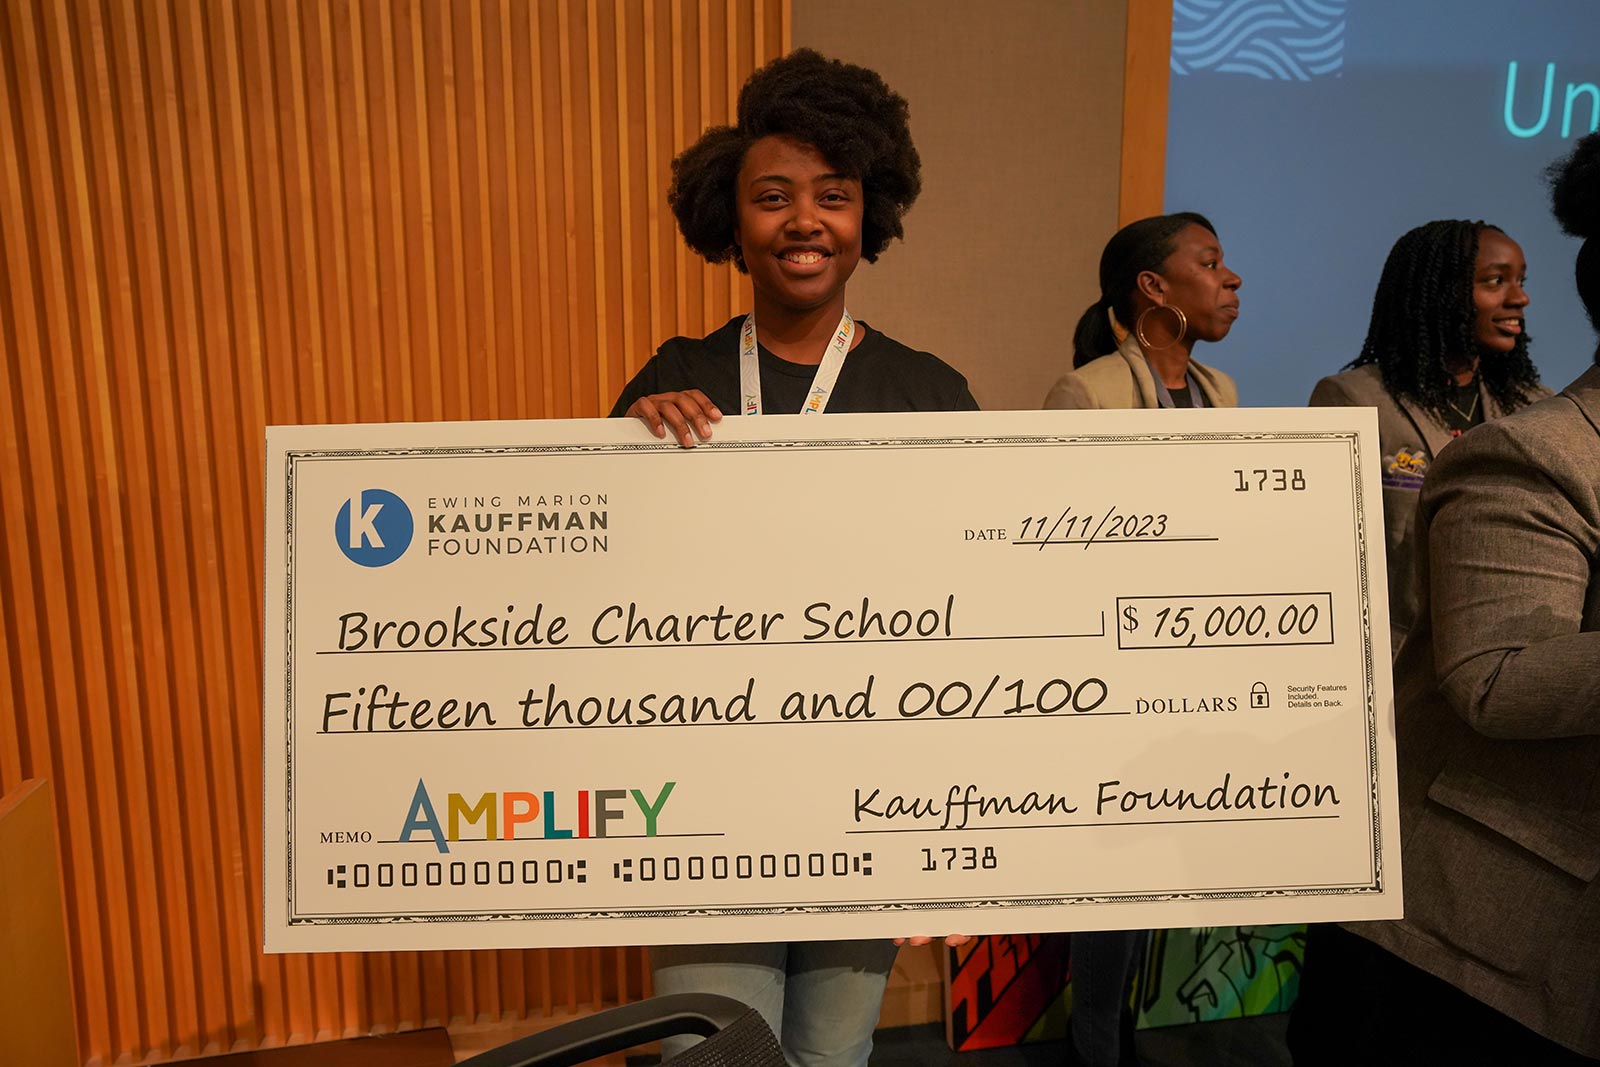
(373, 528)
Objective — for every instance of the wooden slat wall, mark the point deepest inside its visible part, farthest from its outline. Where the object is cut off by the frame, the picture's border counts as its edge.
(220, 214)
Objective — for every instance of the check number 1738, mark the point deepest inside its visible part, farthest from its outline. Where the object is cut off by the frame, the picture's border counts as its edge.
(1269, 480)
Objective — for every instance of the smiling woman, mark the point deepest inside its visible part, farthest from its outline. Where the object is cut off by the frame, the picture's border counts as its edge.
(815, 177)
(798, 234)
(1497, 733)
(1446, 351)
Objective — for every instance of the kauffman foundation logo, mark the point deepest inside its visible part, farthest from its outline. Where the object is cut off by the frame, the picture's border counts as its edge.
(373, 528)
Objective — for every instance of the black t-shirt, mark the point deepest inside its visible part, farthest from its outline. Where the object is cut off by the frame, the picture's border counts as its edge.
(879, 374)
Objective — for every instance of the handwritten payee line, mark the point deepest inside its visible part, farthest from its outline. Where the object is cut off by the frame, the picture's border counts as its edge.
(713, 644)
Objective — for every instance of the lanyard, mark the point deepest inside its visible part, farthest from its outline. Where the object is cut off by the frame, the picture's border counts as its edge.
(821, 385)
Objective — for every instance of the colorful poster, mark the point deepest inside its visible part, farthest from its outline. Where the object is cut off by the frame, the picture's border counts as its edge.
(1016, 989)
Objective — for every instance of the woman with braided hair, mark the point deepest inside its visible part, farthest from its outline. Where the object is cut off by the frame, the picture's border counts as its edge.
(1447, 350)
(1497, 738)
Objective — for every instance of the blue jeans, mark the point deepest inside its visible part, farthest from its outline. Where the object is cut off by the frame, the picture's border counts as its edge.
(821, 998)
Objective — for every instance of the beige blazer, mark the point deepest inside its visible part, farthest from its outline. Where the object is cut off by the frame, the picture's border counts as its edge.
(1123, 380)
(1498, 722)
(1409, 439)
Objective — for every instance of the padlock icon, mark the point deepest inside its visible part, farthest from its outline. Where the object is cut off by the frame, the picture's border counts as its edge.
(1258, 696)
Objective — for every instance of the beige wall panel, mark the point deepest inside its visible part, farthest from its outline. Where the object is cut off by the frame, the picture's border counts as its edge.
(1016, 107)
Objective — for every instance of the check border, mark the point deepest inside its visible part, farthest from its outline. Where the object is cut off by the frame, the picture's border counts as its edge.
(1374, 885)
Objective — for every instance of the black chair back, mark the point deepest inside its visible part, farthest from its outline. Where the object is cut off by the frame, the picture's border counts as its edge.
(735, 1035)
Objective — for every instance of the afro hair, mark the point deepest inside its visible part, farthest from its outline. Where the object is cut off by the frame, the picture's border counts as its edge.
(856, 122)
(1575, 199)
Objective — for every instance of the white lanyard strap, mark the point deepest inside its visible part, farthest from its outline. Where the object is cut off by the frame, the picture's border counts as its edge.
(821, 385)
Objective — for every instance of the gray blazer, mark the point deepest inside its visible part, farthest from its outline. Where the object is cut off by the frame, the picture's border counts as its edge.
(1409, 438)
(1498, 722)
(1123, 380)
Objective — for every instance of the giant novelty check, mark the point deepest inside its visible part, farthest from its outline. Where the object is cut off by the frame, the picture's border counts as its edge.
(558, 683)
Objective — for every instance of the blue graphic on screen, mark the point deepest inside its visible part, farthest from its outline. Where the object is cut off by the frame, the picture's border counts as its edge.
(1315, 132)
(1295, 40)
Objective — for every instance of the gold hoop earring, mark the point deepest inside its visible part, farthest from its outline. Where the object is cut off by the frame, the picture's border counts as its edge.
(1183, 325)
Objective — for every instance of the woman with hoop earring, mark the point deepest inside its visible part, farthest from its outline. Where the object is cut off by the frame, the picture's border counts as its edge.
(1163, 286)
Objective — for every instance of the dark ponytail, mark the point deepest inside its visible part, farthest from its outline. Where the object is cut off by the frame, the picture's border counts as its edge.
(1093, 338)
(1137, 247)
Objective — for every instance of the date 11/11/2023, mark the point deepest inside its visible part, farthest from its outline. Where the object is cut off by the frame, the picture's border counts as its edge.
(1071, 527)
